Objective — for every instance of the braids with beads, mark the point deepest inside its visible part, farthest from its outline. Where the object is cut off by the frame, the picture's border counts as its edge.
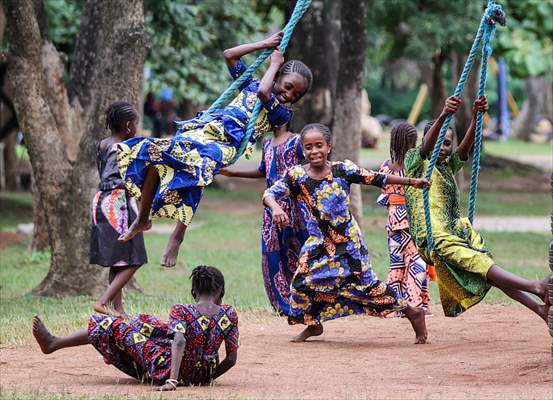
(298, 67)
(402, 138)
(207, 280)
(118, 114)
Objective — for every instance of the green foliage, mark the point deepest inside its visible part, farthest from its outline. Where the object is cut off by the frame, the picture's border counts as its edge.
(527, 41)
(63, 22)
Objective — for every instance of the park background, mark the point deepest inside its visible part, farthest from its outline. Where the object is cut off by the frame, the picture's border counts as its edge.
(64, 61)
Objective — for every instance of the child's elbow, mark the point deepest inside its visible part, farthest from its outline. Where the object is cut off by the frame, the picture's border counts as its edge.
(227, 54)
(264, 94)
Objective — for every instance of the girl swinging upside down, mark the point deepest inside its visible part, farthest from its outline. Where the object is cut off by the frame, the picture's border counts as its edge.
(169, 174)
(334, 277)
(465, 267)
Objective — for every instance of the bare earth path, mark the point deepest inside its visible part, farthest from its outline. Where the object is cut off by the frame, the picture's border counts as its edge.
(492, 352)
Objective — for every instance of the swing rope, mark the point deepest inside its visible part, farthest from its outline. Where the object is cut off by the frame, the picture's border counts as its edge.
(299, 9)
(493, 13)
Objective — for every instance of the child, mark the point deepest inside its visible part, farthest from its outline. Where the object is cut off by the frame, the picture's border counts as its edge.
(334, 277)
(407, 274)
(280, 248)
(169, 174)
(112, 213)
(184, 350)
(464, 265)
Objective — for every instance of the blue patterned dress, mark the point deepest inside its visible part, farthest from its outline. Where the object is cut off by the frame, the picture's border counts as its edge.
(334, 277)
(281, 247)
(202, 146)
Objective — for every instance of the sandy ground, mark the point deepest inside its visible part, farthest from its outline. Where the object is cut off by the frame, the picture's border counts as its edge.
(492, 352)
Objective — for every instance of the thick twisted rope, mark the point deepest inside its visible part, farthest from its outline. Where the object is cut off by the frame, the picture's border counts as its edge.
(492, 14)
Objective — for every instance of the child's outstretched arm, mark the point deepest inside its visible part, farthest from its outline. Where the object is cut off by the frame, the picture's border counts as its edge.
(177, 351)
(451, 105)
(226, 364)
(232, 55)
(254, 174)
(267, 82)
(279, 216)
(400, 180)
(479, 105)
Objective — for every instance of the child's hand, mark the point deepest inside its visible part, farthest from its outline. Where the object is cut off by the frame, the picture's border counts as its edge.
(273, 40)
(480, 105)
(277, 59)
(451, 105)
(421, 183)
(226, 172)
(280, 217)
(166, 388)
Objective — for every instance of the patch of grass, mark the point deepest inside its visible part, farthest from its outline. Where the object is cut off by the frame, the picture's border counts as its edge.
(15, 208)
(515, 147)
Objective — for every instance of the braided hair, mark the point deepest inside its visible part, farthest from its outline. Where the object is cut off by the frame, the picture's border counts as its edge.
(298, 67)
(207, 280)
(323, 129)
(118, 114)
(402, 138)
(432, 122)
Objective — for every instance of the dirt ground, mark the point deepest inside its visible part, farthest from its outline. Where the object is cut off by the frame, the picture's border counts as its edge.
(492, 352)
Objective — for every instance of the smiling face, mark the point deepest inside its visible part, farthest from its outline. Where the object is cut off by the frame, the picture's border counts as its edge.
(289, 88)
(315, 148)
(447, 146)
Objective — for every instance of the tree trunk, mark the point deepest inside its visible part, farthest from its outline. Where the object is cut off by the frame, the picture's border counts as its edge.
(464, 115)
(61, 129)
(432, 75)
(347, 110)
(41, 238)
(320, 25)
(538, 103)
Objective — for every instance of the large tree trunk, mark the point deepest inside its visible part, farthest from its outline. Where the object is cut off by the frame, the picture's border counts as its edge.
(538, 103)
(432, 75)
(320, 25)
(61, 129)
(464, 115)
(347, 110)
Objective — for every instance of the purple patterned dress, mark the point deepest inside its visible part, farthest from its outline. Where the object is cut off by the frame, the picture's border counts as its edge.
(280, 248)
(141, 347)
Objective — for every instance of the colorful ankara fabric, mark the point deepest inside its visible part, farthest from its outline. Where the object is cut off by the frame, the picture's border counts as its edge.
(459, 255)
(113, 211)
(202, 146)
(334, 276)
(141, 347)
(280, 248)
(408, 275)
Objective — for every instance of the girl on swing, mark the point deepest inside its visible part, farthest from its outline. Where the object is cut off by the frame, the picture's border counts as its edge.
(169, 175)
(465, 267)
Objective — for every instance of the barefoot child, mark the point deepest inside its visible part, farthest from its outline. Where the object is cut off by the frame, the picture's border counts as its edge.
(280, 248)
(464, 265)
(407, 276)
(169, 174)
(112, 213)
(334, 277)
(182, 351)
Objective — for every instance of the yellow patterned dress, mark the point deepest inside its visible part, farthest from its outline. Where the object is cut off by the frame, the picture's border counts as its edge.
(460, 256)
(203, 145)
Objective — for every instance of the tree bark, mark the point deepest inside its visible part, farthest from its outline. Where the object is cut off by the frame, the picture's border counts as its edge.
(464, 115)
(347, 110)
(538, 103)
(432, 75)
(61, 127)
(320, 25)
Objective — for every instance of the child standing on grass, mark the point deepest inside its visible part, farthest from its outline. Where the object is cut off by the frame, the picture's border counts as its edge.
(280, 248)
(112, 213)
(169, 175)
(334, 277)
(181, 351)
(465, 267)
(408, 274)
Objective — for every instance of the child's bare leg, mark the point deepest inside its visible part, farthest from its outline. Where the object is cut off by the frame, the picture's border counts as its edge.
(49, 343)
(120, 279)
(505, 279)
(142, 223)
(416, 318)
(117, 300)
(310, 330)
(169, 257)
(527, 300)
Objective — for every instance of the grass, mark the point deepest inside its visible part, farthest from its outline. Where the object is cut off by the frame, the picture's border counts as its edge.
(15, 208)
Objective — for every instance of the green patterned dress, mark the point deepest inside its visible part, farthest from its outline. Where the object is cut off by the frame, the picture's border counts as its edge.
(460, 255)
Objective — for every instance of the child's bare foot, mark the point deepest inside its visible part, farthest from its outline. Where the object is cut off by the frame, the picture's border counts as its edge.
(136, 228)
(311, 330)
(43, 337)
(107, 310)
(169, 257)
(418, 322)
